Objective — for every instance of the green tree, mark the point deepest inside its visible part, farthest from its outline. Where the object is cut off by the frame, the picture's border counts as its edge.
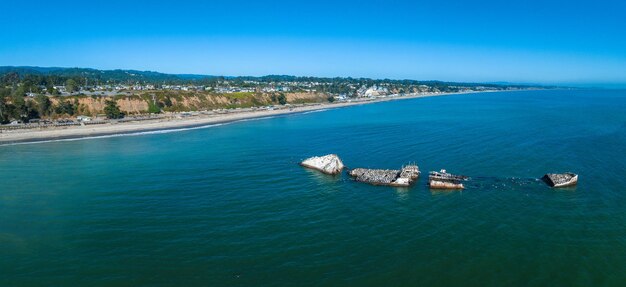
(65, 108)
(71, 86)
(153, 108)
(11, 78)
(331, 99)
(112, 110)
(50, 88)
(282, 99)
(167, 102)
(19, 92)
(31, 111)
(5, 92)
(4, 113)
(6, 109)
(44, 105)
(18, 109)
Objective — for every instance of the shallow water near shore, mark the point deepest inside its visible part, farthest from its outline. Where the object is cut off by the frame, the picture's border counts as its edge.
(228, 205)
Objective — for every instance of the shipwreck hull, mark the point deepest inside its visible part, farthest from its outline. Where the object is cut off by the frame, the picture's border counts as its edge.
(444, 180)
(437, 184)
(390, 177)
(561, 179)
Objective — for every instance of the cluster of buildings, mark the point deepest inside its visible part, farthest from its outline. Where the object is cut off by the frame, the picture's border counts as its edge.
(223, 88)
(373, 91)
(348, 89)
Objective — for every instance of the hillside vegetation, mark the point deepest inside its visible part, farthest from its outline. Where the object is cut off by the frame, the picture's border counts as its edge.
(51, 93)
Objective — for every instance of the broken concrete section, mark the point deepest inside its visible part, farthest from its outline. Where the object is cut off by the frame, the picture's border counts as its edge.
(328, 164)
(393, 177)
(561, 179)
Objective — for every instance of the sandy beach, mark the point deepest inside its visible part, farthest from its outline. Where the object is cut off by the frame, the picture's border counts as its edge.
(169, 123)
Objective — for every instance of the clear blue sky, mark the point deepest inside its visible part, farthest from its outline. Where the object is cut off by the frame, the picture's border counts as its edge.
(519, 41)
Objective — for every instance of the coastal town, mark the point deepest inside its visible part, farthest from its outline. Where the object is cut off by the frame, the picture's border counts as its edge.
(32, 97)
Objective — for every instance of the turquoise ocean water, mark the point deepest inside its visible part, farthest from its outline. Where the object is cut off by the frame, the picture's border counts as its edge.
(228, 205)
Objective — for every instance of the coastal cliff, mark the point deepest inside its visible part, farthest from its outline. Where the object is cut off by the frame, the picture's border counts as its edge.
(160, 101)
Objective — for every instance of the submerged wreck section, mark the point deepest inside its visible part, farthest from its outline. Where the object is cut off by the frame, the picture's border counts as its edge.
(392, 177)
(561, 179)
(444, 180)
(328, 164)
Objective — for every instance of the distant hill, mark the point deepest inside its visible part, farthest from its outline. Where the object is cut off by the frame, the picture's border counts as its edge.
(102, 75)
(134, 76)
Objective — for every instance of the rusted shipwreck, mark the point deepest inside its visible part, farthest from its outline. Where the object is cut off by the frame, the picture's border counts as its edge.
(561, 179)
(392, 177)
(445, 180)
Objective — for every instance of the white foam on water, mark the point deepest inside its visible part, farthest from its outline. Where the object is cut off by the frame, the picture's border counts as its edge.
(254, 119)
(316, 111)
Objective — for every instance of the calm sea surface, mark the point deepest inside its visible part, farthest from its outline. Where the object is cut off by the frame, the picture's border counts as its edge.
(229, 206)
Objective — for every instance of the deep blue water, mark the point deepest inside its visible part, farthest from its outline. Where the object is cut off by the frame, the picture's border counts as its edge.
(229, 205)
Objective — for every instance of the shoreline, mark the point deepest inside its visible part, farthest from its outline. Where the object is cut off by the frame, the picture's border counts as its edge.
(9, 137)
